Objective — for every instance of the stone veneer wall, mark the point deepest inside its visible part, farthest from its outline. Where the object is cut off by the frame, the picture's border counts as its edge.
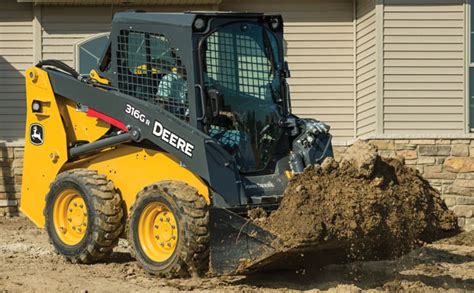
(11, 162)
(448, 164)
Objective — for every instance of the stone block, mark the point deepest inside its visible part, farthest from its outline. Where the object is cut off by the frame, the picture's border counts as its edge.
(435, 181)
(434, 168)
(383, 144)
(9, 211)
(407, 154)
(461, 141)
(387, 154)
(469, 224)
(438, 175)
(434, 150)
(18, 171)
(18, 179)
(5, 171)
(7, 188)
(10, 195)
(447, 182)
(18, 153)
(471, 151)
(405, 146)
(6, 152)
(459, 150)
(440, 161)
(17, 163)
(459, 164)
(461, 222)
(465, 200)
(468, 176)
(8, 180)
(464, 211)
(410, 162)
(422, 141)
(443, 141)
(5, 162)
(459, 190)
(401, 141)
(464, 183)
(426, 160)
(8, 202)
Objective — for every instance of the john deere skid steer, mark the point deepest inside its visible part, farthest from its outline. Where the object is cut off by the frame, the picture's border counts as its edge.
(183, 127)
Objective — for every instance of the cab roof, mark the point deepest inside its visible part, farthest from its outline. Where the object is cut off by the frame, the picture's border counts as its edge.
(177, 19)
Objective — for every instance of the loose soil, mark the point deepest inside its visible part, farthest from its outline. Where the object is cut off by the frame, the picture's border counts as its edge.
(366, 207)
(29, 264)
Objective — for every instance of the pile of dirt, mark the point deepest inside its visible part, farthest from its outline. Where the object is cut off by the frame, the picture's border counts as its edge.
(371, 206)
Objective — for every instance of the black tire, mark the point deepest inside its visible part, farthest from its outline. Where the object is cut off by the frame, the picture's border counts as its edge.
(104, 215)
(191, 255)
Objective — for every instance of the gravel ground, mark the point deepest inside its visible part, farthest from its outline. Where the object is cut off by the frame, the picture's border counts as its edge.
(29, 264)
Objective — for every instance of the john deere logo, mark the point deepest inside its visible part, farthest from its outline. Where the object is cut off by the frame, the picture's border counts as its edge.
(36, 134)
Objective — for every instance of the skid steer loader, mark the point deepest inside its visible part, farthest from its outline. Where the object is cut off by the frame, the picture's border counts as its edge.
(184, 125)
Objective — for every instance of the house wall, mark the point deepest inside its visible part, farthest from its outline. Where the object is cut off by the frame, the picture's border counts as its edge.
(16, 54)
(366, 86)
(320, 52)
(370, 70)
(423, 67)
(63, 28)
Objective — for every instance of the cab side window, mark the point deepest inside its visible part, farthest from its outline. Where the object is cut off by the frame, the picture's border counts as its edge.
(150, 69)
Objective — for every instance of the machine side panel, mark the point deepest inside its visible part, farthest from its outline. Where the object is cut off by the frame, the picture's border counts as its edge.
(132, 168)
(79, 126)
(195, 150)
(45, 144)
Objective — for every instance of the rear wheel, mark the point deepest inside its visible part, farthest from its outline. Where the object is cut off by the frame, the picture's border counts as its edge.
(83, 215)
(168, 230)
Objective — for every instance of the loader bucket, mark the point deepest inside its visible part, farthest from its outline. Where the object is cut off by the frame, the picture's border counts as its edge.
(240, 246)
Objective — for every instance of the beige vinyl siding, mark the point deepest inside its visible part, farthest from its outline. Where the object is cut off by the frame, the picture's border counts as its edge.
(320, 52)
(423, 67)
(109, 2)
(365, 68)
(64, 27)
(16, 54)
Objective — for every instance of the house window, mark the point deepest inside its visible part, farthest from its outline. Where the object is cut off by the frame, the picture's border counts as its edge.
(89, 51)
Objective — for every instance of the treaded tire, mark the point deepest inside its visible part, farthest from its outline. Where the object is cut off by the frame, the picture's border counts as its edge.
(104, 215)
(191, 255)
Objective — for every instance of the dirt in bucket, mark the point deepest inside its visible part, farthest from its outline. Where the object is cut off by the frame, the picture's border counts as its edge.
(372, 206)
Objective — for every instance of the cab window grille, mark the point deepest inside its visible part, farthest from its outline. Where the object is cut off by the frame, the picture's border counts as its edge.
(237, 61)
(149, 69)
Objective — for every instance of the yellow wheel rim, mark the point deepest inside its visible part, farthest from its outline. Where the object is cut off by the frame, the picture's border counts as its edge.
(70, 216)
(157, 232)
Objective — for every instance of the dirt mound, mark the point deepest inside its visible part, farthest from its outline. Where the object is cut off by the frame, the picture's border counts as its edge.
(370, 206)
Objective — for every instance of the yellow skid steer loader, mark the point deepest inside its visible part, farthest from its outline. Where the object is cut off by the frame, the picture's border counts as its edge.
(184, 125)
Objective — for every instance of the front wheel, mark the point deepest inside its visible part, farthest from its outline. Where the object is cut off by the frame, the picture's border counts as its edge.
(168, 230)
(83, 215)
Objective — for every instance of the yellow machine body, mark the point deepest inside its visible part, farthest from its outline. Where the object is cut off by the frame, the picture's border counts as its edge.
(133, 168)
(130, 168)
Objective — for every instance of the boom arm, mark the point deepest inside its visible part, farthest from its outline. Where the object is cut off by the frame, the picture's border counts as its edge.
(194, 149)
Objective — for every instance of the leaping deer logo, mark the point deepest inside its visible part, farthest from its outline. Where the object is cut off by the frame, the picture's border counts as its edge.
(36, 134)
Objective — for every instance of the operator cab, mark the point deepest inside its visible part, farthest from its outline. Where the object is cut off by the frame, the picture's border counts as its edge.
(225, 74)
